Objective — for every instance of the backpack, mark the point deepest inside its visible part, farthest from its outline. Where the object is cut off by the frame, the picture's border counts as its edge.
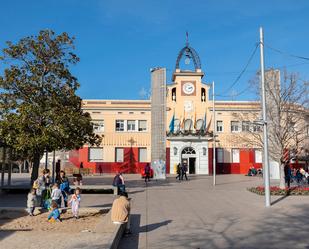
(65, 186)
(117, 181)
(147, 170)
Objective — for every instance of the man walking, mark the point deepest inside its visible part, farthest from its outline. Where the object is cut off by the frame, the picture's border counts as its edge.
(184, 169)
(178, 172)
(147, 172)
(287, 174)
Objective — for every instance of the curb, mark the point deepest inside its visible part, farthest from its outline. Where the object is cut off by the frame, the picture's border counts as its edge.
(106, 226)
(81, 210)
(115, 230)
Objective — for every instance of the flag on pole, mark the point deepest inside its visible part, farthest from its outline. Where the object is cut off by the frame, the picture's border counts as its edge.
(194, 125)
(204, 123)
(172, 123)
(183, 120)
(208, 126)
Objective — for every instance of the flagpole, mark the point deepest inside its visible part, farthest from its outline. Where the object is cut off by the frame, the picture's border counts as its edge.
(214, 135)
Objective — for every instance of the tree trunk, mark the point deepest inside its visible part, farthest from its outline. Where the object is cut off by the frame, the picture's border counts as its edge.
(35, 167)
(282, 176)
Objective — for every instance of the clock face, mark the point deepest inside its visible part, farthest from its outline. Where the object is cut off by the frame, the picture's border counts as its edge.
(188, 88)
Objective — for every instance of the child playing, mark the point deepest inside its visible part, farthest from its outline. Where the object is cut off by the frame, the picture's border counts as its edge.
(31, 201)
(75, 202)
(54, 214)
(56, 194)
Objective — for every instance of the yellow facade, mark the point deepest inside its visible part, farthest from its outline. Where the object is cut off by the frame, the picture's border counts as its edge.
(109, 111)
(127, 124)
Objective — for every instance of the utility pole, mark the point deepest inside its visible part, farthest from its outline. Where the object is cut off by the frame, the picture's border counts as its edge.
(214, 135)
(265, 137)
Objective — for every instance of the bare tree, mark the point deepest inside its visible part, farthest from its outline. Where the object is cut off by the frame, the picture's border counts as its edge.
(287, 117)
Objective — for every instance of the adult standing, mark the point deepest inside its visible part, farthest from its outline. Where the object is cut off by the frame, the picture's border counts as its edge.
(41, 185)
(58, 168)
(178, 171)
(184, 169)
(287, 174)
(119, 182)
(100, 169)
(147, 172)
(64, 185)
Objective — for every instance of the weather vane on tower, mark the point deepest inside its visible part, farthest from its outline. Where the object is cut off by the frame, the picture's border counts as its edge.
(187, 39)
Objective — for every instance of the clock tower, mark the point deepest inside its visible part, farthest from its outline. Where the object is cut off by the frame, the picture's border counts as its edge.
(187, 105)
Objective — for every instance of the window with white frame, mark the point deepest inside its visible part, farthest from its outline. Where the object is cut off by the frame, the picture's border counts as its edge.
(245, 126)
(219, 126)
(258, 156)
(235, 127)
(95, 154)
(142, 125)
(119, 155)
(220, 155)
(235, 156)
(142, 155)
(119, 125)
(257, 128)
(98, 125)
(131, 125)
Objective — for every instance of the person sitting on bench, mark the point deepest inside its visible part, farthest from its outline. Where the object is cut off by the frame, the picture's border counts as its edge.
(120, 213)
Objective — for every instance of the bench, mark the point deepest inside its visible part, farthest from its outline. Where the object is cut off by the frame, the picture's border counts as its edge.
(96, 187)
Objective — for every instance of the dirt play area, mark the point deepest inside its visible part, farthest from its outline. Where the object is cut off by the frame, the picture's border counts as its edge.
(18, 230)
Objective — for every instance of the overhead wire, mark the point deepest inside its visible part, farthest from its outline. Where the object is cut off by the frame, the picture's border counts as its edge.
(286, 53)
(244, 69)
(251, 57)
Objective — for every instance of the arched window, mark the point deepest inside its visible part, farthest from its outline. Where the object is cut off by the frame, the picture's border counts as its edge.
(203, 95)
(176, 125)
(204, 151)
(188, 151)
(174, 94)
(175, 151)
(199, 125)
(188, 125)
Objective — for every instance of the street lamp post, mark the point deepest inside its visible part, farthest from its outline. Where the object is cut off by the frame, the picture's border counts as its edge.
(214, 134)
(266, 172)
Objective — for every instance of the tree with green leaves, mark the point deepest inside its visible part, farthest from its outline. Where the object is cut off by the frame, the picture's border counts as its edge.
(39, 108)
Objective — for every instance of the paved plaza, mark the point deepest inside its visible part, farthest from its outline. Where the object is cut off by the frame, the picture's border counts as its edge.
(194, 214)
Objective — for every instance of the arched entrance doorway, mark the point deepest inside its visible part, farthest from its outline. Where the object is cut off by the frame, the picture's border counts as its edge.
(188, 157)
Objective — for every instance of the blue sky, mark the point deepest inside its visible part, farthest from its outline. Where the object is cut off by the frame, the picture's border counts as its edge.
(119, 41)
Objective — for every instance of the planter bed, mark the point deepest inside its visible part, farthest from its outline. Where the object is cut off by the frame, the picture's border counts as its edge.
(274, 190)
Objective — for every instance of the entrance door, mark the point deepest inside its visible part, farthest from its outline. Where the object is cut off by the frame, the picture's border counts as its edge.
(192, 165)
(188, 157)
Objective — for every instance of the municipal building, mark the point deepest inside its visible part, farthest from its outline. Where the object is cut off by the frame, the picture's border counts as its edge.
(126, 126)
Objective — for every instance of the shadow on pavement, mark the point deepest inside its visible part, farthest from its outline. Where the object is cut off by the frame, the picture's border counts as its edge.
(279, 199)
(132, 241)
(276, 230)
(154, 226)
(101, 205)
